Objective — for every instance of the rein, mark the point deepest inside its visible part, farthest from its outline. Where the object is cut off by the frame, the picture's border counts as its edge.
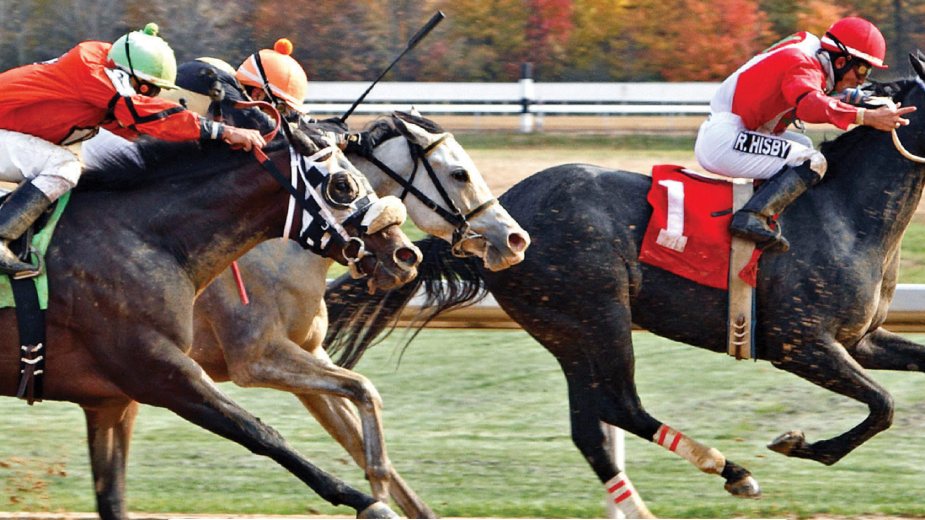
(885, 101)
(452, 215)
(906, 153)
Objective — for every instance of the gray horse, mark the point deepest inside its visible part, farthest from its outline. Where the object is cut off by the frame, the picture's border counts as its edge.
(820, 306)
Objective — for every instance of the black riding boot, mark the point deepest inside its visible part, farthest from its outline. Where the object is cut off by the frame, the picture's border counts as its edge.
(17, 213)
(752, 222)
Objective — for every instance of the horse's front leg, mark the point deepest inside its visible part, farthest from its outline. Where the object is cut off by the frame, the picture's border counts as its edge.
(885, 350)
(160, 374)
(826, 363)
(338, 418)
(109, 432)
(284, 365)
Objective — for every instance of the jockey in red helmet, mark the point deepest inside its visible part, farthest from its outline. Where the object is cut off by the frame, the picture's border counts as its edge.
(746, 134)
(47, 109)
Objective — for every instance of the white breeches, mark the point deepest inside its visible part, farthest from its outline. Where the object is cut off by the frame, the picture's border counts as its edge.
(52, 168)
(105, 144)
(725, 147)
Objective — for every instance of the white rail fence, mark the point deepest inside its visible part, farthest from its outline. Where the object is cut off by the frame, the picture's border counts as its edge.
(526, 98)
(906, 314)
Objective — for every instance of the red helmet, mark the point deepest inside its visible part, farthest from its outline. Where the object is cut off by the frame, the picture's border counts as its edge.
(856, 37)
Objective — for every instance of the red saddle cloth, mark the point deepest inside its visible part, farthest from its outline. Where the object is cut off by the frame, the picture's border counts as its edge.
(688, 233)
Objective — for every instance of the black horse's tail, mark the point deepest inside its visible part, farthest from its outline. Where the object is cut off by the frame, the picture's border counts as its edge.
(357, 320)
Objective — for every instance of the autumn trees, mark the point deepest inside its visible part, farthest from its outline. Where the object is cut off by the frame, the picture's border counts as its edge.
(481, 40)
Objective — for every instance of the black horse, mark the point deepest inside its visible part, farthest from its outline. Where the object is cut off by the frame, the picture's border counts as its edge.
(820, 306)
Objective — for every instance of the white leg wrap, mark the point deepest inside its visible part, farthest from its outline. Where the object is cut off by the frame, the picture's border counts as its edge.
(622, 493)
(706, 459)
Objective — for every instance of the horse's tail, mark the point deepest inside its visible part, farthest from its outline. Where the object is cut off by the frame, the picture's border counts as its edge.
(357, 320)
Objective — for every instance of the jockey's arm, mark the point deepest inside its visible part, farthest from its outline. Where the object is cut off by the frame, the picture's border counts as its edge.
(816, 107)
(133, 115)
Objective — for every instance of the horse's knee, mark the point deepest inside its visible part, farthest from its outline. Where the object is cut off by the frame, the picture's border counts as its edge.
(364, 394)
(881, 408)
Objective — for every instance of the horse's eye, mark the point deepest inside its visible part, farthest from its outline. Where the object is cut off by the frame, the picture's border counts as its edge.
(342, 189)
(460, 175)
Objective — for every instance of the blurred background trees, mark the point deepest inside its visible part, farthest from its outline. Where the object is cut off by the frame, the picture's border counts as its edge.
(481, 40)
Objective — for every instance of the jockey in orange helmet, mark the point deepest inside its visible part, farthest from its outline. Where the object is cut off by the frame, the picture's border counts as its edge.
(48, 106)
(282, 81)
(746, 134)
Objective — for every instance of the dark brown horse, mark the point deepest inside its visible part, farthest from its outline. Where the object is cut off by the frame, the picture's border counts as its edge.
(132, 251)
(820, 306)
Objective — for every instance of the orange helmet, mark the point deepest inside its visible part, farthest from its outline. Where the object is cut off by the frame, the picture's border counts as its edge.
(856, 37)
(285, 77)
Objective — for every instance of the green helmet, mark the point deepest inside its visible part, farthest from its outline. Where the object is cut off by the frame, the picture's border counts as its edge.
(144, 55)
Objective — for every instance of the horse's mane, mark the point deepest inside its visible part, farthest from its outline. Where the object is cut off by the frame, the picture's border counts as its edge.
(358, 320)
(384, 128)
(150, 160)
(160, 161)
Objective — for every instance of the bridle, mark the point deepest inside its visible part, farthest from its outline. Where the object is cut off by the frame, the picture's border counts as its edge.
(314, 189)
(451, 213)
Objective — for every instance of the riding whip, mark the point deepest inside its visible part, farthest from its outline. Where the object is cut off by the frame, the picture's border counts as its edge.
(418, 36)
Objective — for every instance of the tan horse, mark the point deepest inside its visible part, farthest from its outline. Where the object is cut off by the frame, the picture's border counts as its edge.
(276, 341)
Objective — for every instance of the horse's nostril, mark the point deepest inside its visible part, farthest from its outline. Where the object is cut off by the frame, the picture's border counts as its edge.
(407, 256)
(517, 242)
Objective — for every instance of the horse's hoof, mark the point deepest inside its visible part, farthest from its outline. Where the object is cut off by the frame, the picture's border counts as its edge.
(377, 510)
(745, 487)
(788, 443)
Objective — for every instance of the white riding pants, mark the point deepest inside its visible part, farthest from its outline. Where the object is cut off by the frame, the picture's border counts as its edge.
(52, 168)
(104, 144)
(725, 147)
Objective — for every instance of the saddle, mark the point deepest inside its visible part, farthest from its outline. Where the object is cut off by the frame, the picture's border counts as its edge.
(688, 235)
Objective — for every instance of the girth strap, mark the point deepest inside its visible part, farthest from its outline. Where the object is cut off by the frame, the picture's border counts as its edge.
(31, 323)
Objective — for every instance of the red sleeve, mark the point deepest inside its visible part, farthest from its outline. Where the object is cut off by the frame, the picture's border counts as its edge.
(156, 117)
(802, 87)
(816, 107)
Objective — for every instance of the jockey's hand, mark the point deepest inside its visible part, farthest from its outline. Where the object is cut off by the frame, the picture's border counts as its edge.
(243, 138)
(887, 118)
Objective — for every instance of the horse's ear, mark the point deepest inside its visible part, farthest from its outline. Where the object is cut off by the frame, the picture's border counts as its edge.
(411, 130)
(414, 112)
(918, 63)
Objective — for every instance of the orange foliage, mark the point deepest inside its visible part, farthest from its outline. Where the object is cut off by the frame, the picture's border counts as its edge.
(690, 40)
(815, 16)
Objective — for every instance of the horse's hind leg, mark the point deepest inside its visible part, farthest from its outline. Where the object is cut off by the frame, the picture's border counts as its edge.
(109, 431)
(169, 379)
(884, 350)
(340, 421)
(828, 364)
